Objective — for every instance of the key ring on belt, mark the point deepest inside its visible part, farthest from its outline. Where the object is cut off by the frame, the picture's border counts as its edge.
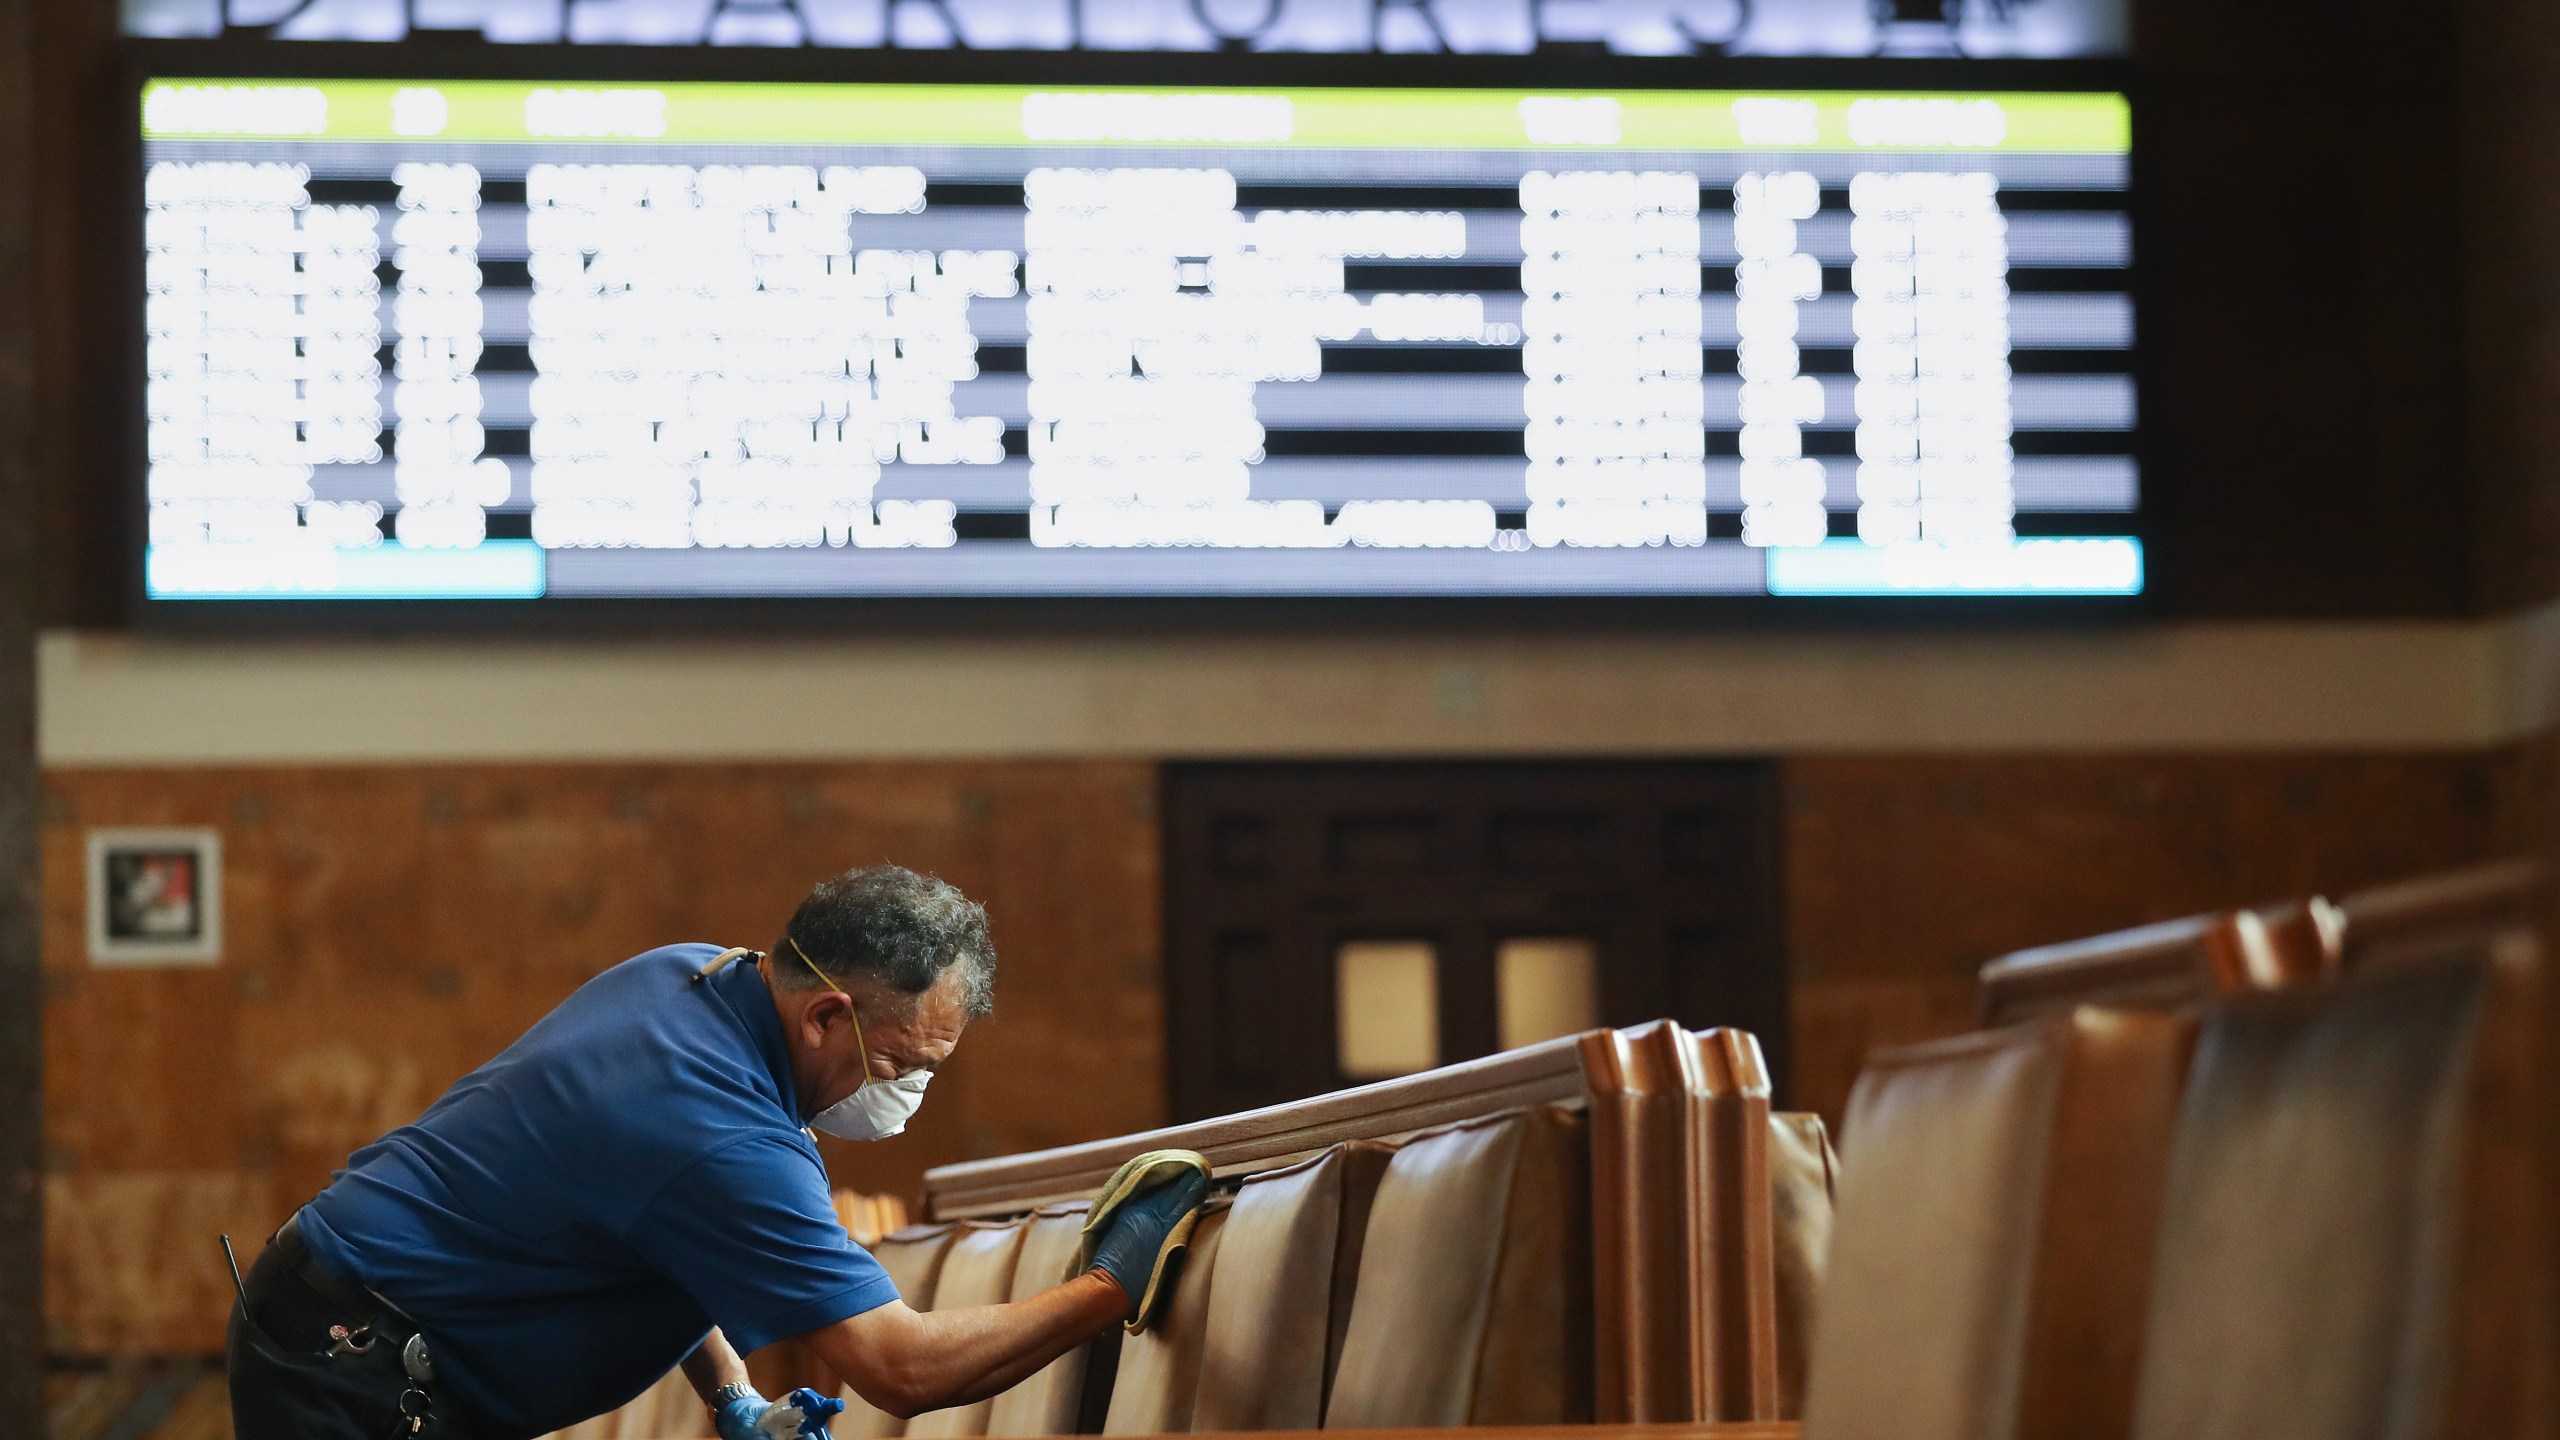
(417, 1407)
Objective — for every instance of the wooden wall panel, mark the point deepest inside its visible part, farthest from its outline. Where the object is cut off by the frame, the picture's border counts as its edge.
(2542, 791)
(390, 928)
(1905, 873)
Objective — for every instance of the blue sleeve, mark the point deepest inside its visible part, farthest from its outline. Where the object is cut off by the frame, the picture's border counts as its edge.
(750, 1232)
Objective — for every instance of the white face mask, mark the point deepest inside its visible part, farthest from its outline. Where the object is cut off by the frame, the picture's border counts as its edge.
(875, 1111)
(877, 1108)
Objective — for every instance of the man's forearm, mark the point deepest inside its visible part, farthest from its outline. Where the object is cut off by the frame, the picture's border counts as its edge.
(1085, 1315)
(712, 1364)
(907, 1362)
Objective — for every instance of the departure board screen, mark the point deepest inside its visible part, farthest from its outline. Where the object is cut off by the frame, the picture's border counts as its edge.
(500, 340)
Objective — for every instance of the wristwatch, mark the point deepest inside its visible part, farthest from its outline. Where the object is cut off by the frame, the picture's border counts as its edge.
(734, 1390)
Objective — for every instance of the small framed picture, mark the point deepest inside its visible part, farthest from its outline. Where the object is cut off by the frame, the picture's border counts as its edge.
(155, 897)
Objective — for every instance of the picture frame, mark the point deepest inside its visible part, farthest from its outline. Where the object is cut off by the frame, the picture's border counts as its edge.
(154, 896)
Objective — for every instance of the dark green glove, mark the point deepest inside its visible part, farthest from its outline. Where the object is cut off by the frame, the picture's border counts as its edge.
(1142, 1231)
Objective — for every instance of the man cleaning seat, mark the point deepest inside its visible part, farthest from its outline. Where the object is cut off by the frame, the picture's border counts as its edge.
(633, 1186)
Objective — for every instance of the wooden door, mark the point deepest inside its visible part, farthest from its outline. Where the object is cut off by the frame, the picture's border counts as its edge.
(1624, 891)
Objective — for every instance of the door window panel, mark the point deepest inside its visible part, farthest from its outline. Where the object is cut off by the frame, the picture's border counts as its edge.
(1386, 997)
(1549, 986)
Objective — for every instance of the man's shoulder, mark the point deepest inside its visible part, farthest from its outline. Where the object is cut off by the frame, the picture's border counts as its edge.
(642, 1001)
(685, 957)
(664, 972)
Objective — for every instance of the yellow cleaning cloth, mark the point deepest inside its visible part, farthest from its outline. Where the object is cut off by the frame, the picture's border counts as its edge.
(1140, 1174)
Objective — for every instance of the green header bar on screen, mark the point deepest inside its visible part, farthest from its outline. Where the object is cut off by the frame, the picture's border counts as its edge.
(809, 114)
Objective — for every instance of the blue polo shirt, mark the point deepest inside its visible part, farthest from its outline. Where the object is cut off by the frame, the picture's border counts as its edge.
(573, 1217)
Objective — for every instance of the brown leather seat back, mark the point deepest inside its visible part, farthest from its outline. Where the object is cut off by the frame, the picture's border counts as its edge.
(1802, 1169)
(913, 1258)
(2306, 1252)
(978, 1270)
(1997, 1204)
(2501, 1379)
(1288, 1263)
(1473, 1306)
(2115, 1121)
(1925, 1300)
(1049, 1402)
(1159, 1372)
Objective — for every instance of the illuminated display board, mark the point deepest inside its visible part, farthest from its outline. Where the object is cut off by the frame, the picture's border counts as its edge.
(511, 340)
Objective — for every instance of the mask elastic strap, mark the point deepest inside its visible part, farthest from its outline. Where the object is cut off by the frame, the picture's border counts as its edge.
(853, 1010)
(813, 966)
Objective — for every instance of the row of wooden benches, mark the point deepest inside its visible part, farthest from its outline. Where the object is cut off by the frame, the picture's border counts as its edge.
(2261, 1173)
(1611, 1226)
(2264, 1172)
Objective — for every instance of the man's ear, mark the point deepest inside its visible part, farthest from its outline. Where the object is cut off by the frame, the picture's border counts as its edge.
(827, 1010)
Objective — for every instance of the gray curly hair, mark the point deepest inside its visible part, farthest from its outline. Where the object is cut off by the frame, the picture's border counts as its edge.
(893, 927)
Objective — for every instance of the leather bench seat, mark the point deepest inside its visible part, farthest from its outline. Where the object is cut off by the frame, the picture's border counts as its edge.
(913, 1258)
(977, 1269)
(1159, 1371)
(1997, 1199)
(1288, 1264)
(1053, 1400)
(1473, 1303)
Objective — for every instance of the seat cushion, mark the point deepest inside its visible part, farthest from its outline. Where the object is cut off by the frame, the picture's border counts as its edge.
(1159, 1370)
(2307, 1245)
(1049, 1402)
(977, 1270)
(1288, 1262)
(1473, 1305)
(913, 1258)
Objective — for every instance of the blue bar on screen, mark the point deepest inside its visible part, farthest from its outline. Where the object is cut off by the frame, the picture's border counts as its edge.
(2036, 565)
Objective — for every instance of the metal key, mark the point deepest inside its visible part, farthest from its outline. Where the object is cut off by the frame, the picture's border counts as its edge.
(417, 1418)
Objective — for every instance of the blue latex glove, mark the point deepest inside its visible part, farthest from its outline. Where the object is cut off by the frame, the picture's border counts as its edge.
(1128, 1249)
(802, 1415)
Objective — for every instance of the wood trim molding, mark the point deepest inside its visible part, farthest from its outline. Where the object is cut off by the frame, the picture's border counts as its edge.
(146, 699)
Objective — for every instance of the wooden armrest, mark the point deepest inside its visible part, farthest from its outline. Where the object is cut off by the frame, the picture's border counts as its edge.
(1268, 1138)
